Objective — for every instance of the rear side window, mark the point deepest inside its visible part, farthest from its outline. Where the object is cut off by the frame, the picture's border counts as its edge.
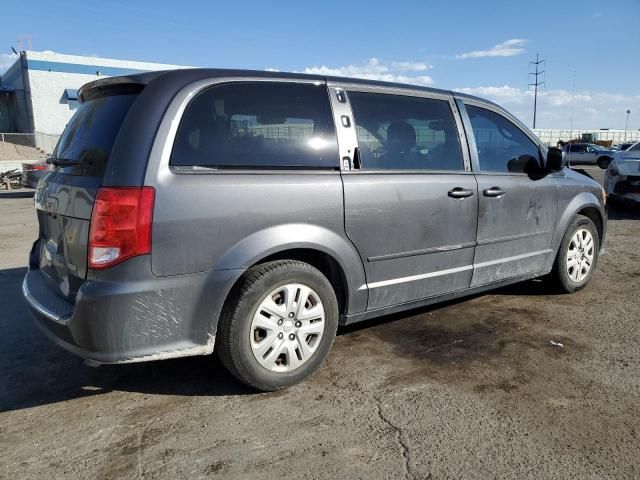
(398, 132)
(502, 146)
(91, 132)
(258, 124)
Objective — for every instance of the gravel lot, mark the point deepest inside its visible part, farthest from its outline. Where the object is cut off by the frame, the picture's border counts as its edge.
(469, 389)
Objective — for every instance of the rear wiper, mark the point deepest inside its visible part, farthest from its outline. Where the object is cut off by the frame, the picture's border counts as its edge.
(63, 162)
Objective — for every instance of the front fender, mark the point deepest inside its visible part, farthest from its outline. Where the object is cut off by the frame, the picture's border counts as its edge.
(577, 203)
(279, 238)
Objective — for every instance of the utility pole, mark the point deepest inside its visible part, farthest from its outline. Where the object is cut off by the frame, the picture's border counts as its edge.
(536, 84)
(626, 125)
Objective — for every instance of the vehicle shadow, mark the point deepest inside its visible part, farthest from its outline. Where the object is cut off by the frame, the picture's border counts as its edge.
(35, 372)
(16, 193)
(537, 286)
(624, 211)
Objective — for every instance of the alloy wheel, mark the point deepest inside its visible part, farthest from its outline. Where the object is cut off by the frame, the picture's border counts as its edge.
(580, 254)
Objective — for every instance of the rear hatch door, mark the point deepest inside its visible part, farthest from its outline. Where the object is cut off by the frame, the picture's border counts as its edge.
(64, 197)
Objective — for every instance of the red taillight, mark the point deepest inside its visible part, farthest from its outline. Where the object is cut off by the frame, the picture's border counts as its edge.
(120, 225)
(36, 166)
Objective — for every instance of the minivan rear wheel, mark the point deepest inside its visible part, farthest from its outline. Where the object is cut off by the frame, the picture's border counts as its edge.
(278, 324)
(578, 255)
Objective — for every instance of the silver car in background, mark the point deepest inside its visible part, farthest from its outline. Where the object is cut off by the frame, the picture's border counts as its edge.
(622, 178)
(587, 154)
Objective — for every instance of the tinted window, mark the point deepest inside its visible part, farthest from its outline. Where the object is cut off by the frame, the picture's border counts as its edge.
(502, 147)
(635, 148)
(91, 132)
(577, 148)
(258, 125)
(398, 132)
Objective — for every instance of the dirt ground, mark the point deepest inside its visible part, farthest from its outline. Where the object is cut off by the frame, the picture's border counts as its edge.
(469, 389)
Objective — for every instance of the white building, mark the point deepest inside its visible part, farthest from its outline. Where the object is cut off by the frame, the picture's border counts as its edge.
(38, 93)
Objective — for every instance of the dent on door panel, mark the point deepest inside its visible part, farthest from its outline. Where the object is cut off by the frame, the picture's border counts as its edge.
(515, 230)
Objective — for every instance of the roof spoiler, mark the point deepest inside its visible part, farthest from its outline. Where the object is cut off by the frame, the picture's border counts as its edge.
(115, 85)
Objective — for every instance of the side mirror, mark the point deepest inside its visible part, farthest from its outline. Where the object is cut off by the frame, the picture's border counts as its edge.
(555, 159)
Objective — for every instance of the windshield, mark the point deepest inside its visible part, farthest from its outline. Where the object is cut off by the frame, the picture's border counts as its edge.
(91, 133)
(598, 147)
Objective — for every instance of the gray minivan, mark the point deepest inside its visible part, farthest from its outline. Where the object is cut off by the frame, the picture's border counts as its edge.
(252, 213)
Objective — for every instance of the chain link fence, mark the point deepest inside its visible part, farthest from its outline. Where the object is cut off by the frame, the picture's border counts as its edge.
(26, 146)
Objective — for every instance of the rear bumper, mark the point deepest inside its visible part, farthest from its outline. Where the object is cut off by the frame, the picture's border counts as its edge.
(140, 320)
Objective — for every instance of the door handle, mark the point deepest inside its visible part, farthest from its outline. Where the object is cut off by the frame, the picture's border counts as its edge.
(493, 192)
(459, 192)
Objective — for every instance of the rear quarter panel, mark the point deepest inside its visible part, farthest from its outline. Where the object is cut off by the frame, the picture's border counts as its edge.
(222, 221)
(216, 220)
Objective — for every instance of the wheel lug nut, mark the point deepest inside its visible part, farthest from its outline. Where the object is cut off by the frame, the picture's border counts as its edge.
(280, 322)
(292, 336)
(280, 335)
(291, 315)
(298, 324)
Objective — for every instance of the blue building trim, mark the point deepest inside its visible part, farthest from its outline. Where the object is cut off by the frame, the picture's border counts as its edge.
(80, 68)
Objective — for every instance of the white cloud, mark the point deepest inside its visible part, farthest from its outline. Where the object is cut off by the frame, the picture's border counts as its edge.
(590, 109)
(508, 48)
(374, 69)
(6, 60)
(411, 66)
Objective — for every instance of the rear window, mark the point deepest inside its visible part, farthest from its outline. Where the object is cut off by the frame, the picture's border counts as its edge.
(91, 133)
(258, 125)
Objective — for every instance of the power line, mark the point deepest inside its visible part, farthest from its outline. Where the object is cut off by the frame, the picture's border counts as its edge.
(536, 84)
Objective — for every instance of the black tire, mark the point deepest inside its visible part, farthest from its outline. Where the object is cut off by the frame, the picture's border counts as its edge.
(559, 272)
(233, 342)
(603, 162)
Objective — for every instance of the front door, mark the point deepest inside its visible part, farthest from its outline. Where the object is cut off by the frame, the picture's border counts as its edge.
(410, 197)
(517, 199)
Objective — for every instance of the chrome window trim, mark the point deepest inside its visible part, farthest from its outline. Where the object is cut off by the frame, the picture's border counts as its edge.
(347, 138)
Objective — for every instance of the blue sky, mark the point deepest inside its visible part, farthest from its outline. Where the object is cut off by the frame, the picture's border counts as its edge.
(482, 47)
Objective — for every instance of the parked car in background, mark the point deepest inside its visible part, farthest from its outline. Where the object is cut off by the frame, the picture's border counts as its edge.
(622, 178)
(622, 146)
(32, 172)
(587, 154)
(251, 213)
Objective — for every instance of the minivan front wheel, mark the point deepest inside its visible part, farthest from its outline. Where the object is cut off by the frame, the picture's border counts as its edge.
(578, 255)
(278, 325)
